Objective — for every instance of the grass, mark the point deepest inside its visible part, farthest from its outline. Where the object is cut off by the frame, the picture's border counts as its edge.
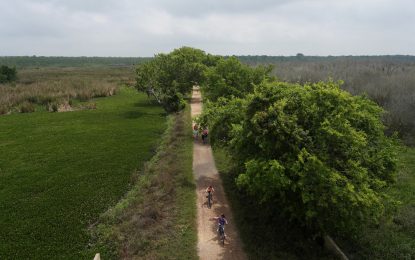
(60, 171)
(394, 238)
(265, 236)
(45, 87)
(156, 220)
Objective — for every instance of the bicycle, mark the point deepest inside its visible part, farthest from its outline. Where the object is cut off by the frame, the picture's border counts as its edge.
(209, 201)
(222, 236)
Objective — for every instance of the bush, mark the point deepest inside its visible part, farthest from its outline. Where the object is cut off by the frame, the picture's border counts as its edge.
(27, 107)
(84, 95)
(3, 110)
(53, 107)
(7, 74)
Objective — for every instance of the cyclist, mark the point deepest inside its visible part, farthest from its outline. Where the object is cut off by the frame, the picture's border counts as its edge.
(209, 191)
(205, 133)
(221, 223)
(195, 131)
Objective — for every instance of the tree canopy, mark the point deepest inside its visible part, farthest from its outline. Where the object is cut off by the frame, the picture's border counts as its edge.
(170, 77)
(313, 153)
(316, 153)
(232, 78)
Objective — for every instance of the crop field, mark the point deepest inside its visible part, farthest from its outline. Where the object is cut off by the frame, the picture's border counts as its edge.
(60, 171)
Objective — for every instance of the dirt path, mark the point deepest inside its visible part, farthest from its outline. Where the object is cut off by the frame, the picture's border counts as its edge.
(205, 172)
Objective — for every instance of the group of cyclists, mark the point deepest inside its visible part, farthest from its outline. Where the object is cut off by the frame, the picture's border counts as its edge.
(196, 132)
(222, 221)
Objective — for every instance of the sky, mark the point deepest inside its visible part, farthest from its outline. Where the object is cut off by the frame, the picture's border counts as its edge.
(225, 27)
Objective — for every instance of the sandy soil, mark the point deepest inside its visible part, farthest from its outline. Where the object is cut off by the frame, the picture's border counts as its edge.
(205, 173)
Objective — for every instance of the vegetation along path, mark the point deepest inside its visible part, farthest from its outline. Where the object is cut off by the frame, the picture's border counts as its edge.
(205, 172)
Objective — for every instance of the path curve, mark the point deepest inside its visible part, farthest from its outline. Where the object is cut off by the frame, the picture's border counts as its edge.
(205, 173)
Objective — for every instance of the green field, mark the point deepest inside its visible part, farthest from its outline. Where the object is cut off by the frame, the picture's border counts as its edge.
(156, 220)
(60, 171)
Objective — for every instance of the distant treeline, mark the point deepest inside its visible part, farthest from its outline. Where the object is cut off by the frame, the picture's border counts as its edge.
(43, 61)
(55, 61)
(261, 59)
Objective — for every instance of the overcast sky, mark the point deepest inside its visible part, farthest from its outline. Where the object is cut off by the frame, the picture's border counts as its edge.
(242, 27)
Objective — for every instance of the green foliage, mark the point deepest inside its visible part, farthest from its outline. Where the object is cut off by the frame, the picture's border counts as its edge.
(265, 233)
(7, 74)
(170, 77)
(221, 116)
(393, 238)
(317, 152)
(232, 78)
(60, 171)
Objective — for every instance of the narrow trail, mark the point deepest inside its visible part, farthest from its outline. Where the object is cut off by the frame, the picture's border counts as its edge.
(205, 173)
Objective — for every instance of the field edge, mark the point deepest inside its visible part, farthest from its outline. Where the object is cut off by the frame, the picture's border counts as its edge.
(157, 217)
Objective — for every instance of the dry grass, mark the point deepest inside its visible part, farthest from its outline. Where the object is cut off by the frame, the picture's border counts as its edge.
(50, 87)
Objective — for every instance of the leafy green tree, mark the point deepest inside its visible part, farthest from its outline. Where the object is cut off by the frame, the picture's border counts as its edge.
(230, 78)
(7, 74)
(221, 116)
(170, 77)
(315, 152)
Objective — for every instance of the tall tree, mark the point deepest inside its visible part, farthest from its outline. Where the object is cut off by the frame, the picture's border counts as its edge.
(315, 153)
(170, 77)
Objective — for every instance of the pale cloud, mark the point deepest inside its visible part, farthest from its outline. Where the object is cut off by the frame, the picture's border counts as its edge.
(142, 28)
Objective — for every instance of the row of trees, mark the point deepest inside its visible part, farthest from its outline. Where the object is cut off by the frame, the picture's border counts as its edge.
(169, 78)
(311, 152)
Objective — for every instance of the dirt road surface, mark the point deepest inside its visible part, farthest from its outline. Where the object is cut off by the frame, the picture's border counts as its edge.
(205, 173)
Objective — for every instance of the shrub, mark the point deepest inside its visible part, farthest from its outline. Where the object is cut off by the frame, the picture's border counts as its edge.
(53, 107)
(3, 110)
(84, 95)
(27, 107)
(7, 74)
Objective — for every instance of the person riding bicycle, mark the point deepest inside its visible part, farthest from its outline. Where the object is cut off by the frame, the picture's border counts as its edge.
(195, 131)
(205, 134)
(222, 222)
(210, 190)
